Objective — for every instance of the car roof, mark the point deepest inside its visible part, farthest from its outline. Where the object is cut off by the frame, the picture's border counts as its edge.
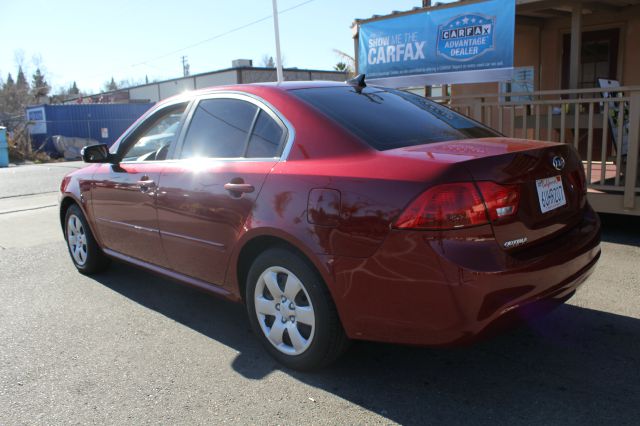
(284, 86)
(254, 88)
(293, 85)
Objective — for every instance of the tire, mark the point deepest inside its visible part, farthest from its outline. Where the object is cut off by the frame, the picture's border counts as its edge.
(291, 311)
(83, 249)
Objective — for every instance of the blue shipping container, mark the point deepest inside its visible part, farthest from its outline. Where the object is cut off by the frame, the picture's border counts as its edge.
(101, 122)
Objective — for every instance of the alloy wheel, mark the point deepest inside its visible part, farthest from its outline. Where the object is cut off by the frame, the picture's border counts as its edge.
(284, 310)
(77, 239)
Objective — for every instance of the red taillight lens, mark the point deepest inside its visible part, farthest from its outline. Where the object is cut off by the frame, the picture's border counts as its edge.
(501, 200)
(458, 205)
(447, 206)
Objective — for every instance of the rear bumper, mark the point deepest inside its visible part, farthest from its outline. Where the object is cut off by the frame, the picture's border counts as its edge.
(428, 288)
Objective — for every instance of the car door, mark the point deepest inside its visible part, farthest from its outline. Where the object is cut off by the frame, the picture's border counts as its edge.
(123, 195)
(229, 146)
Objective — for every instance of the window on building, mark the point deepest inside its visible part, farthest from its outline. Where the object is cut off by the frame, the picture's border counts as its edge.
(437, 90)
(594, 62)
(522, 82)
(598, 57)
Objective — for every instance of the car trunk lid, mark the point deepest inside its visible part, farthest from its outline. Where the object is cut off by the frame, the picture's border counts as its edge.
(543, 174)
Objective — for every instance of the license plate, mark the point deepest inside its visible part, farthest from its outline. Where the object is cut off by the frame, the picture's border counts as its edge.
(550, 193)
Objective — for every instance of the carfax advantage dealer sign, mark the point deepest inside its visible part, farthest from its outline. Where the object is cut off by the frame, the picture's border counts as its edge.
(466, 43)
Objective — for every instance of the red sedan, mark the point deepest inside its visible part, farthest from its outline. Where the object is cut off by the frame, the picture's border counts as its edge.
(335, 212)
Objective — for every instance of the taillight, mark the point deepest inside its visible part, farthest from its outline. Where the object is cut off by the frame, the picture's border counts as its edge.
(447, 206)
(501, 200)
(458, 205)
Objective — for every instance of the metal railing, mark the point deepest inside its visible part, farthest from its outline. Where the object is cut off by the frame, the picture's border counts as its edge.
(602, 124)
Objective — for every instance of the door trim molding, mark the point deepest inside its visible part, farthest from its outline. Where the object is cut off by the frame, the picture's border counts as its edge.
(162, 233)
(197, 240)
(127, 225)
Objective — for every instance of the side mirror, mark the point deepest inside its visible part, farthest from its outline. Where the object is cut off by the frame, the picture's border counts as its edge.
(96, 154)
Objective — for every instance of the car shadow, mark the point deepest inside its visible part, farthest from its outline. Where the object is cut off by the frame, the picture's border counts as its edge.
(621, 229)
(574, 366)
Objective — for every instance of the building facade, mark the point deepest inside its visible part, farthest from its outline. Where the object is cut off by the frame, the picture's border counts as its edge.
(242, 72)
(546, 32)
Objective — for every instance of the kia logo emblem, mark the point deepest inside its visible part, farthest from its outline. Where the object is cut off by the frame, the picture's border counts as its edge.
(558, 162)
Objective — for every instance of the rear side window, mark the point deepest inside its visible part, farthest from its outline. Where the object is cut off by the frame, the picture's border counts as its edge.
(231, 128)
(219, 128)
(266, 137)
(388, 119)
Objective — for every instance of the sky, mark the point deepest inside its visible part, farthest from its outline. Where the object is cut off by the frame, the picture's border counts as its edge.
(90, 41)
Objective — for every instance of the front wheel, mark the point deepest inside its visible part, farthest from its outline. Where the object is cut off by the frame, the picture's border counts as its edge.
(85, 253)
(292, 312)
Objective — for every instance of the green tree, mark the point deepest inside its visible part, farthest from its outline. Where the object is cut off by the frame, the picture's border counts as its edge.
(21, 81)
(268, 62)
(15, 95)
(341, 66)
(39, 85)
(110, 86)
(73, 90)
(7, 95)
(347, 60)
(10, 83)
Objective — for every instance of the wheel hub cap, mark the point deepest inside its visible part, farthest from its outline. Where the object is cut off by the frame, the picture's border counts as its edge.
(287, 310)
(77, 240)
(284, 311)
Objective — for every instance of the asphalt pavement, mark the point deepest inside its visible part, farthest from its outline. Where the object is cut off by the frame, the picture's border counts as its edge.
(34, 178)
(128, 347)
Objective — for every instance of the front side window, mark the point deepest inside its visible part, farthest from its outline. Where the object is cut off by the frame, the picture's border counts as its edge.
(231, 128)
(388, 119)
(153, 142)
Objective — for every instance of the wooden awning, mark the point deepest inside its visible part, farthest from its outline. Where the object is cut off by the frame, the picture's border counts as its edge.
(574, 9)
(564, 8)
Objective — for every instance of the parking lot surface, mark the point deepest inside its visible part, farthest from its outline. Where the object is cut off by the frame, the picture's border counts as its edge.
(128, 347)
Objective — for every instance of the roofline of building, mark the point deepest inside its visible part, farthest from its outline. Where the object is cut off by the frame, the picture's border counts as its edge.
(204, 74)
(440, 6)
(73, 104)
(414, 11)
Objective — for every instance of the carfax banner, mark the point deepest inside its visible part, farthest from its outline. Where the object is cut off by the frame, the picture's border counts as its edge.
(469, 39)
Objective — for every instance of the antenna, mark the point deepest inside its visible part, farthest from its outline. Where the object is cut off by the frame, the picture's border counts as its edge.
(357, 82)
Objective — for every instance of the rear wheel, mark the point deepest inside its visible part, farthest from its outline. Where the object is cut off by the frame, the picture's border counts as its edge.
(292, 312)
(85, 253)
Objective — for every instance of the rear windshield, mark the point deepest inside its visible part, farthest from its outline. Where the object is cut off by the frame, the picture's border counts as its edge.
(388, 119)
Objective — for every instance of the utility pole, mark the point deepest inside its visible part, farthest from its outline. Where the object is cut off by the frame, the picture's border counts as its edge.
(277, 33)
(185, 66)
(427, 89)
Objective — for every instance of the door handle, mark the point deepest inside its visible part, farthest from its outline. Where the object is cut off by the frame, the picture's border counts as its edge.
(239, 187)
(146, 185)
